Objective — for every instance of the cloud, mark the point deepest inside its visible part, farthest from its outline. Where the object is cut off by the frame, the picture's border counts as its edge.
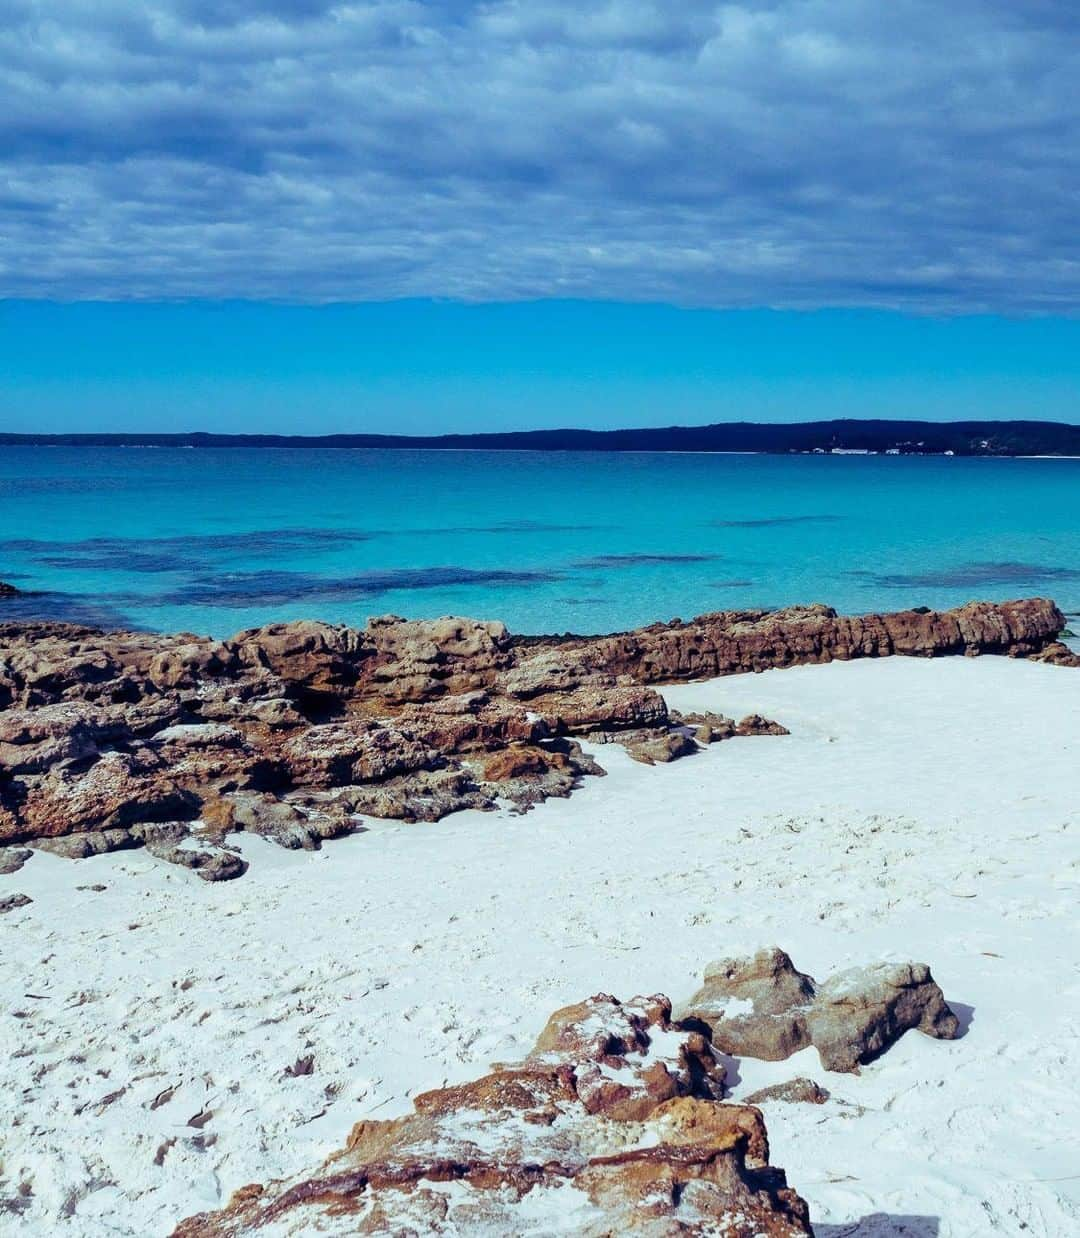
(784, 152)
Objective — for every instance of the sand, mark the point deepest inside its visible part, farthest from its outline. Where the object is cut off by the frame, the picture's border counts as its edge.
(919, 809)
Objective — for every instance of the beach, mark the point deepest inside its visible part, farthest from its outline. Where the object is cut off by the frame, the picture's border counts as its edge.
(920, 809)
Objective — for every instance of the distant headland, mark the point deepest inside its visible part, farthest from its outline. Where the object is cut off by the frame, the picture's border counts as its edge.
(882, 437)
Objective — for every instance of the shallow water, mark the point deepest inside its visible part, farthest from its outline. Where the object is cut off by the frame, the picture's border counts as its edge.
(219, 539)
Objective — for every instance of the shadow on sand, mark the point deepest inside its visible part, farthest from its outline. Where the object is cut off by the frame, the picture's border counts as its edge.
(883, 1225)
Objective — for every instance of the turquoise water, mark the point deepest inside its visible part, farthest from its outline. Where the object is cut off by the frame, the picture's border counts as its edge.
(216, 540)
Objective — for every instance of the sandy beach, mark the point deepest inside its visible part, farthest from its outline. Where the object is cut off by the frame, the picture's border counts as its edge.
(920, 809)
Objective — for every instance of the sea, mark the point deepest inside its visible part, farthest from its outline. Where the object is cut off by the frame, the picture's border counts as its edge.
(215, 540)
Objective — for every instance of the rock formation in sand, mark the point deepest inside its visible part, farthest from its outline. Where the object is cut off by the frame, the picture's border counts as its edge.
(292, 731)
(763, 1007)
(615, 1123)
(612, 1125)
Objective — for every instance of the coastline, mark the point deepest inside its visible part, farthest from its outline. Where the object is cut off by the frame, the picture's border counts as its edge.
(260, 889)
(885, 824)
(893, 436)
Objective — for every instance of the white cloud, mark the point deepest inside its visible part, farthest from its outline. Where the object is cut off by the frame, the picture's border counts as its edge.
(793, 152)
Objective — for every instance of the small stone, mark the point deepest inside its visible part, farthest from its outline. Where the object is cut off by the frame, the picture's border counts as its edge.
(664, 748)
(13, 858)
(794, 1092)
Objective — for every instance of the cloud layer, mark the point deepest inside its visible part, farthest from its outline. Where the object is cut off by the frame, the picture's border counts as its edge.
(783, 152)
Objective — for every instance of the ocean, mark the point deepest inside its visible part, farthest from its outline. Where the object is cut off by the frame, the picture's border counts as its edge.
(214, 540)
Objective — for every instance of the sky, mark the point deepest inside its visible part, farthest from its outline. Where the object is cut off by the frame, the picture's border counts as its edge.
(389, 215)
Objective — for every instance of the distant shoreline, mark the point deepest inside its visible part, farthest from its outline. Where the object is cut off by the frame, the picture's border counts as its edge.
(1032, 439)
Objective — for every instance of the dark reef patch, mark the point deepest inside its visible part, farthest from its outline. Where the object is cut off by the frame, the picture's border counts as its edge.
(121, 561)
(280, 588)
(183, 553)
(13, 487)
(505, 526)
(64, 608)
(764, 522)
(970, 575)
(633, 560)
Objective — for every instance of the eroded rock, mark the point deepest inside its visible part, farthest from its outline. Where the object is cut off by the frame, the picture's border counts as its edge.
(754, 1007)
(1057, 653)
(662, 748)
(116, 790)
(353, 751)
(291, 730)
(859, 1013)
(755, 724)
(612, 1125)
(763, 1007)
(792, 1092)
(206, 860)
(12, 859)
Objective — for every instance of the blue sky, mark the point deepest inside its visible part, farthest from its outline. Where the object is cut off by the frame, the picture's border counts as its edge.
(425, 367)
(388, 214)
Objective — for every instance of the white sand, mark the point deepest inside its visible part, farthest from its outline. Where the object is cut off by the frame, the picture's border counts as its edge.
(919, 809)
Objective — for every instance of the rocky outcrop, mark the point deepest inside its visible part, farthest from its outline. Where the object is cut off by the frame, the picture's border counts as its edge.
(613, 1124)
(763, 1007)
(1057, 653)
(296, 730)
(8, 591)
(729, 642)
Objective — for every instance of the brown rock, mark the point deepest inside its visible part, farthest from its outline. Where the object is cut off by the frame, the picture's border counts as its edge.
(427, 795)
(667, 746)
(101, 731)
(755, 1007)
(762, 1007)
(755, 724)
(709, 728)
(792, 1092)
(12, 859)
(471, 721)
(614, 708)
(84, 843)
(418, 661)
(609, 1043)
(858, 1014)
(32, 740)
(207, 861)
(307, 656)
(663, 1164)
(213, 756)
(730, 642)
(1057, 653)
(688, 1120)
(188, 665)
(278, 820)
(353, 751)
(521, 761)
(117, 790)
